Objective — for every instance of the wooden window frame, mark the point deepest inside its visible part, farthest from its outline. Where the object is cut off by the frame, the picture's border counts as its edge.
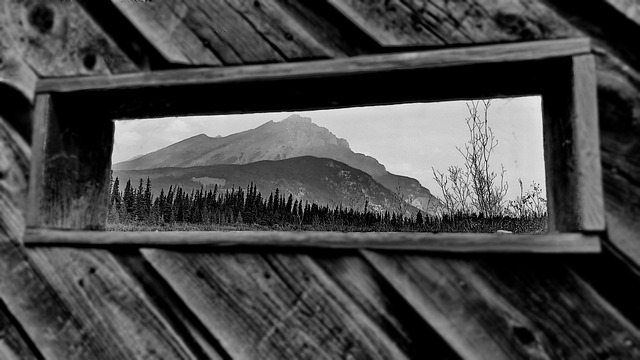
(73, 137)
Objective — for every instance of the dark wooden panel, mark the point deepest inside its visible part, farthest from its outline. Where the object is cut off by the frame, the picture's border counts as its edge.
(514, 308)
(57, 38)
(70, 167)
(389, 22)
(277, 306)
(570, 122)
(429, 22)
(165, 30)
(281, 30)
(228, 33)
(330, 28)
(407, 241)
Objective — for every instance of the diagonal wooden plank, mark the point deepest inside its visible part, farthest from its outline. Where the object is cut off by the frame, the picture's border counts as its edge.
(195, 335)
(14, 345)
(206, 25)
(510, 308)
(167, 32)
(380, 301)
(408, 22)
(110, 310)
(329, 27)
(272, 307)
(280, 29)
(58, 38)
(233, 30)
(391, 23)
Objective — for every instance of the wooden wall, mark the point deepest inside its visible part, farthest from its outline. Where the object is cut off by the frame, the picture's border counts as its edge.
(64, 303)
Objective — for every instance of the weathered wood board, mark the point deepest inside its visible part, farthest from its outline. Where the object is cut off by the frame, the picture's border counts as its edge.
(71, 163)
(13, 344)
(407, 241)
(384, 305)
(58, 38)
(276, 306)
(115, 316)
(513, 308)
(165, 30)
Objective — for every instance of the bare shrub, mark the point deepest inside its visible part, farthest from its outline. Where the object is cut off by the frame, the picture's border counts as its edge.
(475, 188)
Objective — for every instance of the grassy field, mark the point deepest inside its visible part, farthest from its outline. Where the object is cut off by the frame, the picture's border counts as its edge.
(523, 226)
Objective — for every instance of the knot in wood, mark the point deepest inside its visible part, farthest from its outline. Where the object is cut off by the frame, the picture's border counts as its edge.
(524, 335)
(41, 17)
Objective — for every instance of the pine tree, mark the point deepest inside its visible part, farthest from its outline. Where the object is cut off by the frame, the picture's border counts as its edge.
(115, 203)
(139, 202)
(147, 200)
(129, 200)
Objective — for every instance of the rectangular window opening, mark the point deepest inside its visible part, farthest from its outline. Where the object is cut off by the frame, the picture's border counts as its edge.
(456, 166)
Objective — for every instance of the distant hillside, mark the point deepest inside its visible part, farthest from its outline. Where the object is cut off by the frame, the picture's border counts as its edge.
(292, 137)
(322, 180)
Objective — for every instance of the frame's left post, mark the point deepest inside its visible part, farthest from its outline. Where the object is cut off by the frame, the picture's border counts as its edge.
(71, 163)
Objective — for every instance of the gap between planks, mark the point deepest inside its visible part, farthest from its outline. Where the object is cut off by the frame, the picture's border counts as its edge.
(436, 242)
(473, 55)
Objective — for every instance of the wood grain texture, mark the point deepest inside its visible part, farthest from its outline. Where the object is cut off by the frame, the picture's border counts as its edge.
(73, 304)
(13, 344)
(428, 23)
(110, 307)
(277, 306)
(561, 166)
(166, 31)
(571, 141)
(186, 324)
(58, 38)
(510, 308)
(281, 30)
(70, 167)
(228, 32)
(490, 54)
(14, 72)
(384, 305)
(585, 117)
(14, 177)
(435, 242)
(390, 22)
(330, 28)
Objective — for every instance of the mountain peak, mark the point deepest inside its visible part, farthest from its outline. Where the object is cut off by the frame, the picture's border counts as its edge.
(297, 119)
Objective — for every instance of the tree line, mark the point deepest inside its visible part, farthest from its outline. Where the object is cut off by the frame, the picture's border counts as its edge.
(238, 206)
(247, 206)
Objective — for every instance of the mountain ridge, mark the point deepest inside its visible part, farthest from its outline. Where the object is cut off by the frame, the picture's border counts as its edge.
(293, 136)
(307, 178)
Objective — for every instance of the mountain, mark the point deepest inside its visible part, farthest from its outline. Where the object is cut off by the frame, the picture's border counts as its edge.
(325, 181)
(292, 137)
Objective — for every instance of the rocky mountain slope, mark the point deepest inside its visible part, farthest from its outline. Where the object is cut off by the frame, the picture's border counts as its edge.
(292, 137)
(320, 180)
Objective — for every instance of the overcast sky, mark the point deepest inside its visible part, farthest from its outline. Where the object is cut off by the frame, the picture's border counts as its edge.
(408, 139)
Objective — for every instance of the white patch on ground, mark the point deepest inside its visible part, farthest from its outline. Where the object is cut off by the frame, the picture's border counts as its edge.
(209, 181)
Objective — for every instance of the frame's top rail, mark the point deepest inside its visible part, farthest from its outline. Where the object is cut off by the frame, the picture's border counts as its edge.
(480, 54)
